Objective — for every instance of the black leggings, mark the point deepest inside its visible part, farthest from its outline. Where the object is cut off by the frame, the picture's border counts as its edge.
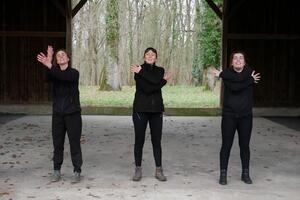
(71, 124)
(229, 125)
(140, 121)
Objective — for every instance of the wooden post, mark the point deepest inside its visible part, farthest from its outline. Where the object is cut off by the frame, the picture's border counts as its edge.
(69, 28)
(224, 43)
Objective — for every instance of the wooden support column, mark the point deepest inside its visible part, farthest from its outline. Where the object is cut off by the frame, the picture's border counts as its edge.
(224, 54)
(3, 64)
(69, 15)
(69, 27)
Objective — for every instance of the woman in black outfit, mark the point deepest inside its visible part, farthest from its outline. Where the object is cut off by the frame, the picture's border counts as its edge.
(148, 107)
(66, 115)
(237, 112)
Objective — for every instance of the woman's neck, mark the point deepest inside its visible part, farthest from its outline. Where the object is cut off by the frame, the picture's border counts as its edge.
(149, 63)
(64, 66)
(238, 70)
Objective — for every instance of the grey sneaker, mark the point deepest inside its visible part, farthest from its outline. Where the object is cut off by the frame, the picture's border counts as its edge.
(159, 175)
(76, 177)
(137, 174)
(56, 176)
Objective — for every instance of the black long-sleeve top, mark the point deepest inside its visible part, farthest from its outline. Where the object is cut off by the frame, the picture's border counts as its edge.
(65, 90)
(148, 96)
(238, 92)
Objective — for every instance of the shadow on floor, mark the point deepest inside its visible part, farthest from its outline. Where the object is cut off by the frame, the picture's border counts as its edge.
(5, 118)
(289, 122)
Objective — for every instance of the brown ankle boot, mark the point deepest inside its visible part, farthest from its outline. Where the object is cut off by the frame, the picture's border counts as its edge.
(137, 174)
(159, 175)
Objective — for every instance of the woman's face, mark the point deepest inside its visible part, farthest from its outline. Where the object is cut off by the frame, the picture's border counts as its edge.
(62, 58)
(150, 57)
(238, 61)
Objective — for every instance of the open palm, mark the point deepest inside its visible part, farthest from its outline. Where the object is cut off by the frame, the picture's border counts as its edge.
(46, 60)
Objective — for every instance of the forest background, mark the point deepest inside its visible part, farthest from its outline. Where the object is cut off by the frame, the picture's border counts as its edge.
(110, 35)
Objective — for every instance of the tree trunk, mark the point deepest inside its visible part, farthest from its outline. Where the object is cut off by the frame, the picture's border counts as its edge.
(112, 39)
(197, 68)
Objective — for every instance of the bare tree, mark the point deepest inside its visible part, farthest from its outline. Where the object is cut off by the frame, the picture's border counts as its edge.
(107, 39)
(112, 39)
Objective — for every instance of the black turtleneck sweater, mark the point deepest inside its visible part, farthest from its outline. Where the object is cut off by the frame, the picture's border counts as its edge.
(149, 81)
(238, 92)
(65, 90)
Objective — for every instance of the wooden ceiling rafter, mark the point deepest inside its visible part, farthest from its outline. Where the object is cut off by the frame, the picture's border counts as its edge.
(215, 8)
(78, 7)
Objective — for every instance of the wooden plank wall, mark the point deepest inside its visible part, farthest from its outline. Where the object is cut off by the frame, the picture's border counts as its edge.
(26, 27)
(269, 32)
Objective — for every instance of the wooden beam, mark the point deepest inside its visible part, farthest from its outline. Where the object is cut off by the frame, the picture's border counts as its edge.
(32, 34)
(69, 9)
(215, 8)
(262, 36)
(69, 28)
(224, 44)
(78, 7)
(59, 7)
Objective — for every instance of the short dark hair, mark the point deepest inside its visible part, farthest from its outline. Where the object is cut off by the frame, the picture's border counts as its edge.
(241, 52)
(150, 49)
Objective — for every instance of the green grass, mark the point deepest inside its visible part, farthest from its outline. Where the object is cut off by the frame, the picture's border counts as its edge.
(174, 97)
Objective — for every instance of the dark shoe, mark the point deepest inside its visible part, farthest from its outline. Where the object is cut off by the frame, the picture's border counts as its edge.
(137, 174)
(76, 177)
(159, 175)
(223, 177)
(246, 177)
(56, 176)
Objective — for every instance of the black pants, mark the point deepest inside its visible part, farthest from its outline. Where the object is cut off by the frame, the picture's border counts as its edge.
(229, 125)
(72, 124)
(140, 121)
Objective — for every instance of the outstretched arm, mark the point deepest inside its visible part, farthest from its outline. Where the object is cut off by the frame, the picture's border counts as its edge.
(238, 86)
(236, 77)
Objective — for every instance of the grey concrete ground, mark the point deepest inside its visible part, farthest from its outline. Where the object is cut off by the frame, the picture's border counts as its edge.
(190, 159)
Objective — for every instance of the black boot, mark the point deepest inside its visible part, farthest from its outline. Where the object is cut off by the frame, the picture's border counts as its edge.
(246, 177)
(223, 177)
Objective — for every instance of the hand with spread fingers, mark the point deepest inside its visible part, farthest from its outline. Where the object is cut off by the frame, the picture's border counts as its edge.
(256, 77)
(46, 60)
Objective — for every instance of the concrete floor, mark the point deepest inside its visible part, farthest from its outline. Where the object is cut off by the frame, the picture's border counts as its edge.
(190, 159)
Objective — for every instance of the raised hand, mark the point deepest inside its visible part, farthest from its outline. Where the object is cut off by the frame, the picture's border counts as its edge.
(46, 60)
(50, 53)
(216, 72)
(135, 68)
(167, 76)
(256, 77)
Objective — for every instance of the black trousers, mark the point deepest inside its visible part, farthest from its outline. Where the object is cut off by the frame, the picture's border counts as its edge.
(243, 125)
(72, 124)
(140, 121)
